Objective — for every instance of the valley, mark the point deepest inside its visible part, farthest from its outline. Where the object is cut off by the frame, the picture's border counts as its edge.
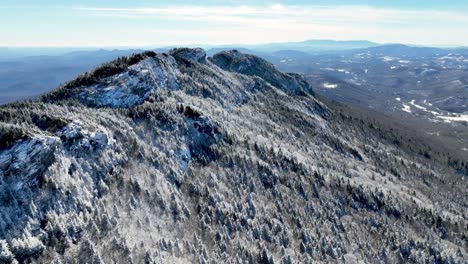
(422, 87)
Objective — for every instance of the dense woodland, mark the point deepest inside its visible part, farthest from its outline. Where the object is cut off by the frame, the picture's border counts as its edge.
(180, 158)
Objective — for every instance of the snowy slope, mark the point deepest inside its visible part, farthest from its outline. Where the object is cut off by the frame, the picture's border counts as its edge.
(180, 158)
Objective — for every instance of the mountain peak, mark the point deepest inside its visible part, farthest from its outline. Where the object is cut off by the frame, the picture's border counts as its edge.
(124, 82)
(252, 65)
(194, 55)
(129, 81)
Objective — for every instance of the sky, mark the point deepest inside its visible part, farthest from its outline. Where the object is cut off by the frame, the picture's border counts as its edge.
(145, 23)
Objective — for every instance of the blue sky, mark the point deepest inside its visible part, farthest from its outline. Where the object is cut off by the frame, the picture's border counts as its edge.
(117, 23)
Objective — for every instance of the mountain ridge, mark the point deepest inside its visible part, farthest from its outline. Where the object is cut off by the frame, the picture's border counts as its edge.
(215, 160)
(32, 76)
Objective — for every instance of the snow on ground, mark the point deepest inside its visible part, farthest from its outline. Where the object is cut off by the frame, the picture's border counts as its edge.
(398, 99)
(330, 85)
(354, 81)
(418, 106)
(406, 108)
(427, 71)
(452, 57)
(426, 103)
(448, 118)
(388, 58)
(458, 118)
(343, 70)
(29, 158)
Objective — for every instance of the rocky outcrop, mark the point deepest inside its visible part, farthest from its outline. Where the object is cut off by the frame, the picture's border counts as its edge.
(132, 83)
(25, 163)
(192, 55)
(254, 66)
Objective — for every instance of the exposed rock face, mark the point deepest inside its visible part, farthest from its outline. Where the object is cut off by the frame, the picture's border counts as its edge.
(134, 86)
(193, 55)
(179, 158)
(27, 161)
(254, 66)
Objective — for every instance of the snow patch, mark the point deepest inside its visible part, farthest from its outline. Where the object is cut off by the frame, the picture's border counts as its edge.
(330, 85)
(413, 103)
(427, 71)
(73, 130)
(343, 71)
(406, 108)
(388, 58)
(85, 139)
(456, 118)
(420, 107)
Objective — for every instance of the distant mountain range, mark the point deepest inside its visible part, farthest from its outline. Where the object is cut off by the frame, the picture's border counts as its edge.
(313, 46)
(28, 72)
(424, 87)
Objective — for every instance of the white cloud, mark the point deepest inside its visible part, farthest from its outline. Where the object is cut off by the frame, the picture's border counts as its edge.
(257, 24)
(354, 14)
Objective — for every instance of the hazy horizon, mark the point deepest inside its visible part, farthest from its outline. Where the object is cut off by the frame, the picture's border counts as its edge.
(240, 44)
(54, 23)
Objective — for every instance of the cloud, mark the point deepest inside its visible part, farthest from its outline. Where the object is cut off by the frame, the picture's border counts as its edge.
(315, 14)
(255, 24)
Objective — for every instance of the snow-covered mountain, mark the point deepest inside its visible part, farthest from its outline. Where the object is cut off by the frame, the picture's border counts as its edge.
(181, 158)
